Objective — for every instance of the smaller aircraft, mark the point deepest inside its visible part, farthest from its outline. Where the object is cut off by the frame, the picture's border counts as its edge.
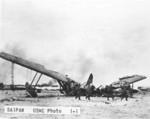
(130, 80)
(121, 88)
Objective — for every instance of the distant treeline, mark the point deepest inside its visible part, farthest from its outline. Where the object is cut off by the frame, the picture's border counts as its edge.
(21, 87)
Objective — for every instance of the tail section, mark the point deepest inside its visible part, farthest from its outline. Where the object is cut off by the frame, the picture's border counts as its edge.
(90, 79)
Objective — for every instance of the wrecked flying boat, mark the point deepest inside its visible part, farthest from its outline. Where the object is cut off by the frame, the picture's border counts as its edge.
(67, 85)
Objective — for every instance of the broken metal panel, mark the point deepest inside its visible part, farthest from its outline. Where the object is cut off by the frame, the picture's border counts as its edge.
(31, 92)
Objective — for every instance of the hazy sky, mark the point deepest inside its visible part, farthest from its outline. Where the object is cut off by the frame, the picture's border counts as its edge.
(110, 38)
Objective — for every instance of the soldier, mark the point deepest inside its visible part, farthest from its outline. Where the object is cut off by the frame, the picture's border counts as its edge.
(125, 90)
(89, 91)
(108, 92)
(77, 91)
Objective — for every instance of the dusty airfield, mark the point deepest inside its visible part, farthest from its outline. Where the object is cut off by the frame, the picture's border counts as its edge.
(98, 108)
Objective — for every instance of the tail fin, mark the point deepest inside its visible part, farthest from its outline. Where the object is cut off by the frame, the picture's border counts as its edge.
(90, 79)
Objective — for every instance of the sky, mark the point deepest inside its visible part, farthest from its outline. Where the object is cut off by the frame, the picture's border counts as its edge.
(109, 38)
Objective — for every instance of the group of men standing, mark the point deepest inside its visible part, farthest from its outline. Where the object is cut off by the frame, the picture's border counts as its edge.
(124, 91)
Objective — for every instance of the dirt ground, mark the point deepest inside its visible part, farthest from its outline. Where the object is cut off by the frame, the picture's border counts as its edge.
(97, 108)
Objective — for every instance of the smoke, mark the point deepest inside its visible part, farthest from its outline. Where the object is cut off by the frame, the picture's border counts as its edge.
(107, 38)
(15, 49)
(5, 72)
(85, 65)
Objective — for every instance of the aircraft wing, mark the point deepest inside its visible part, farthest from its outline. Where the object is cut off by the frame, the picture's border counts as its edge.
(128, 79)
(33, 66)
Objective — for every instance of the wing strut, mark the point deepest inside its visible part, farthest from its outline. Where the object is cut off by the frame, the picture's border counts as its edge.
(38, 80)
(32, 91)
(33, 78)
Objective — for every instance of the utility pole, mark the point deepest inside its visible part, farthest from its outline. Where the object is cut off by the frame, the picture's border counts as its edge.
(12, 76)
